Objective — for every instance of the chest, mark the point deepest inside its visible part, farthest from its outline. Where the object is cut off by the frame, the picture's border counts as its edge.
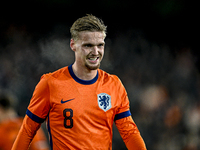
(83, 104)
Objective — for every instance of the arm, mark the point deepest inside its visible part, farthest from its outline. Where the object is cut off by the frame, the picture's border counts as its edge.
(125, 124)
(26, 134)
(130, 134)
(39, 142)
(36, 114)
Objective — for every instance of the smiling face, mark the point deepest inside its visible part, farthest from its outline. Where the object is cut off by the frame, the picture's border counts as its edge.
(89, 49)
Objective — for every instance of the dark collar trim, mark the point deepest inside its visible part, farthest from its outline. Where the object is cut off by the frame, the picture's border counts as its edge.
(86, 82)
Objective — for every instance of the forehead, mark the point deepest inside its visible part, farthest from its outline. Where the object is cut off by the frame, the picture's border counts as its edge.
(87, 36)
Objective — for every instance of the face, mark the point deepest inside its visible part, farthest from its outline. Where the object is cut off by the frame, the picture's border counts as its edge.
(89, 49)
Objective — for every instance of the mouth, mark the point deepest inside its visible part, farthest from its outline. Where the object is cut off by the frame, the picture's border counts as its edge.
(93, 59)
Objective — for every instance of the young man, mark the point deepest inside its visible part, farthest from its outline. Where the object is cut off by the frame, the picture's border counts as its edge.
(10, 124)
(80, 102)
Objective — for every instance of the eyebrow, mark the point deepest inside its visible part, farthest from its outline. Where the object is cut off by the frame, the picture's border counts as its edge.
(88, 43)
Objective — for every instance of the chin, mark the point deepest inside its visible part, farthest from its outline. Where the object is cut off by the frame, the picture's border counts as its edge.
(91, 67)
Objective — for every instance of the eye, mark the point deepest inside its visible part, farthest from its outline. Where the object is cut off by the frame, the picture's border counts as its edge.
(101, 45)
(88, 45)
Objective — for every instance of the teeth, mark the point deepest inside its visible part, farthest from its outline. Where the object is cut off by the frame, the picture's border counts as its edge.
(92, 58)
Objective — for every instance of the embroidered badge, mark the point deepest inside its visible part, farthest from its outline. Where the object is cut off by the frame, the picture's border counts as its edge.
(104, 101)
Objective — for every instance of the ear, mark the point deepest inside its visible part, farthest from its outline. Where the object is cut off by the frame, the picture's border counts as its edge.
(73, 45)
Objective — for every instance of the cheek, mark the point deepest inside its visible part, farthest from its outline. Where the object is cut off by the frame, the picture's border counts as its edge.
(102, 52)
(81, 52)
(84, 51)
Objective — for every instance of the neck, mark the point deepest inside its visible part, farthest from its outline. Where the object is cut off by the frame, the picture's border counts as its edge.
(83, 72)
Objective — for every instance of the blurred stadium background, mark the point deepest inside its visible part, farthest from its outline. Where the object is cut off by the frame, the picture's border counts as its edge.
(151, 45)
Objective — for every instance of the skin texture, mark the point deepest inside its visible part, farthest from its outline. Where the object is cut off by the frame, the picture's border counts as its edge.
(89, 52)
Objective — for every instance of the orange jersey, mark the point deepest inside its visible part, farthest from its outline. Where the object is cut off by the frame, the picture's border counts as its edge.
(79, 113)
(8, 133)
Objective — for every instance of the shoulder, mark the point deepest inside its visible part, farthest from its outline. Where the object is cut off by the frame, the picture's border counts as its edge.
(107, 77)
(60, 73)
(50, 78)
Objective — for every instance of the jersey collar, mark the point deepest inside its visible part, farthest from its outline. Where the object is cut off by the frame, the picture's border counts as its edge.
(86, 82)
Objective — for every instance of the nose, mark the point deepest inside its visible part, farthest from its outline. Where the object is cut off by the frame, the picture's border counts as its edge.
(95, 50)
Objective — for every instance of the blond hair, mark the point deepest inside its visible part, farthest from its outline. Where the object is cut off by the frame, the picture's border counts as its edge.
(87, 23)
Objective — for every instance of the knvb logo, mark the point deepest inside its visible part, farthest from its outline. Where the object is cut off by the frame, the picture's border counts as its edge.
(104, 101)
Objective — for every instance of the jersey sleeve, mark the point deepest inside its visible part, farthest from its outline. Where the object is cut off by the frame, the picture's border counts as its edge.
(36, 113)
(39, 106)
(26, 134)
(124, 108)
(125, 124)
(130, 134)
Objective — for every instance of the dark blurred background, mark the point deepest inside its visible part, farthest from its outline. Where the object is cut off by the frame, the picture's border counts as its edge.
(153, 46)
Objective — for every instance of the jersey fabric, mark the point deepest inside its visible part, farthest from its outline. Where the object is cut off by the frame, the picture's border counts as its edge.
(80, 113)
(8, 133)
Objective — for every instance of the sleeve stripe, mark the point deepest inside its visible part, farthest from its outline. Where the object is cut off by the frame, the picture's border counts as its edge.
(34, 117)
(122, 115)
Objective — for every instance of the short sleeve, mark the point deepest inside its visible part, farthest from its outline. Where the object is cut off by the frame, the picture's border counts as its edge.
(124, 108)
(39, 106)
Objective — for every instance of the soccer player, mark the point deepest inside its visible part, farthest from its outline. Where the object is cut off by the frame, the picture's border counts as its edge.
(80, 102)
(10, 124)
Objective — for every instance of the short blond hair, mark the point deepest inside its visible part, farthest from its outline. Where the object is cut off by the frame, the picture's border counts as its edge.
(87, 23)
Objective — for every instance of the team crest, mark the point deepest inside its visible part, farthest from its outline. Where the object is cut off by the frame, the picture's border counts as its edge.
(104, 101)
